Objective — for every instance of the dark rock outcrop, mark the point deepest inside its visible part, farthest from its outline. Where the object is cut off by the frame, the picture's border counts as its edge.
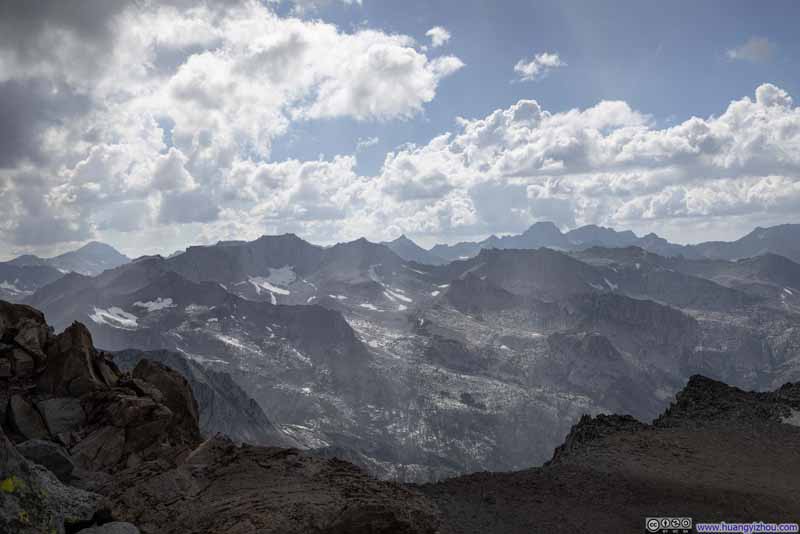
(32, 500)
(590, 428)
(175, 389)
(74, 367)
(24, 418)
(224, 408)
(50, 455)
(706, 402)
(61, 414)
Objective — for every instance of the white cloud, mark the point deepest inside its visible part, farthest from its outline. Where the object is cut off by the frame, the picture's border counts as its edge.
(177, 103)
(605, 164)
(302, 7)
(166, 135)
(538, 67)
(439, 36)
(366, 142)
(755, 50)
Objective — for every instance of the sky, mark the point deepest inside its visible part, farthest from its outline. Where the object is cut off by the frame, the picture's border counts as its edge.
(155, 125)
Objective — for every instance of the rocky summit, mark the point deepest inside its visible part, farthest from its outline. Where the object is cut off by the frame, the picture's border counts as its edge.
(86, 447)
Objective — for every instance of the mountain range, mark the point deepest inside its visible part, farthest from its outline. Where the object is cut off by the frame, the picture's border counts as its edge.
(783, 240)
(21, 276)
(419, 372)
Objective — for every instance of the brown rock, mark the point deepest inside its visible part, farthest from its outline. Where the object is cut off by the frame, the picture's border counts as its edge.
(100, 450)
(72, 365)
(25, 419)
(62, 414)
(32, 337)
(50, 455)
(11, 315)
(33, 501)
(175, 388)
(23, 363)
(107, 370)
(129, 410)
(225, 488)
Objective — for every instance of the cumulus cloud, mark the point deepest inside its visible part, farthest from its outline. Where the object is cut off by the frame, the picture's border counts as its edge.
(301, 7)
(366, 142)
(167, 130)
(605, 164)
(538, 67)
(160, 108)
(755, 50)
(438, 35)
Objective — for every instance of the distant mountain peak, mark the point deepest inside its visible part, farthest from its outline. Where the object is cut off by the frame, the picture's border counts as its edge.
(542, 226)
(407, 249)
(92, 258)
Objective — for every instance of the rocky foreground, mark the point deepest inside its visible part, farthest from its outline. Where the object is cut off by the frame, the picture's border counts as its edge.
(85, 447)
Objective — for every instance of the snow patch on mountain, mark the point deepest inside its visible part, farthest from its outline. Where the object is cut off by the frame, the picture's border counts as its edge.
(155, 305)
(236, 343)
(415, 270)
(196, 309)
(12, 287)
(283, 276)
(115, 317)
(263, 284)
(396, 294)
(369, 306)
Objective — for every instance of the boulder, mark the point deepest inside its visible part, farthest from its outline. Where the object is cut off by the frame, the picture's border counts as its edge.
(24, 335)
(62, 414)
(145, 388)
(25, 419)
(176, 391)
(102, 449)
(116, 527)
(50, 455)
(33, 500)
(32, 337)
(105, 367)
(23, 363)
(73, 366)
(10, 314)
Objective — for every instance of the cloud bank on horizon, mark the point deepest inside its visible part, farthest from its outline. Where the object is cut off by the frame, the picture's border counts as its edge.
(152, 125)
